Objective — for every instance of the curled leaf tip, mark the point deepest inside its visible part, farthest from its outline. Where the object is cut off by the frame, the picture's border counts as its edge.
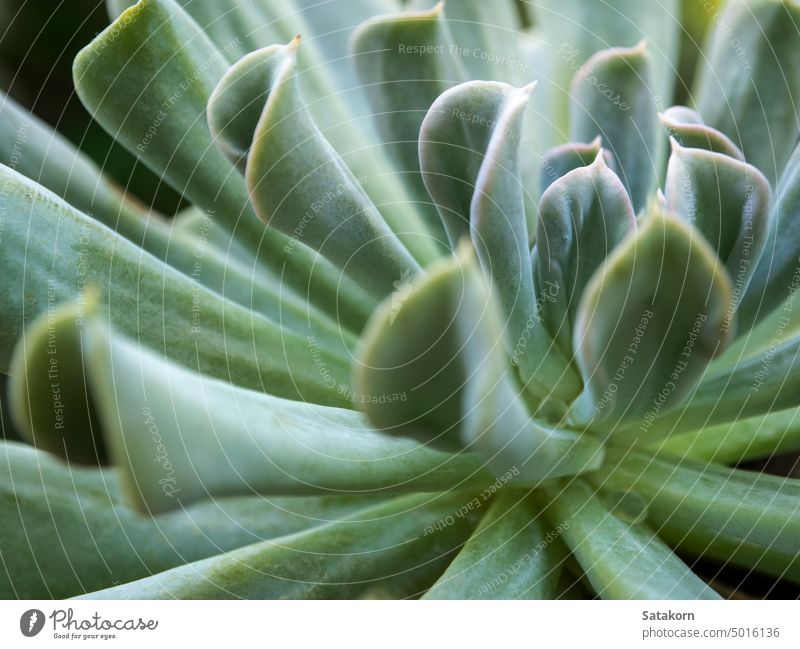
(599, 161)
(680, 115)
(640, 47)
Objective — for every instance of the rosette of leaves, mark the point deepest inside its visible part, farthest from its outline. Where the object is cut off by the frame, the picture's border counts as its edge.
(461, 307)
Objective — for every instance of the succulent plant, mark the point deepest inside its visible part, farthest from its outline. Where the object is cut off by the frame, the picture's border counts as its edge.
(462, 306)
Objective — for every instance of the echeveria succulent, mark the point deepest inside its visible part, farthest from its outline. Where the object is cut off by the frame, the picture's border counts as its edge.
(462, 306)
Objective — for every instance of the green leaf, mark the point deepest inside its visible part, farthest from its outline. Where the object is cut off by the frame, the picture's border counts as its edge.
(686, 127)
(583, 216)
(48, 396)
(748, 519)
(238, 28)
(240, 441)
(469, 153)
(147, 300)
(746, 86)
(485, 38)
(237, 101)
(338, 560)
(574, 30)
(405, 61)
(32, 148)
(511, 555)
(431, 367)
(777, 277)
(755, 438)
(456, 139)
(68, 531)
(765, 383)
(332, 25)
(8, 430)
(301, 187)
(728, 201)
(620, 560)
(562, 159)
(39, 153)
(612, 98)
(328, 85)
(649, 322)
(779, 325)
(147, 79)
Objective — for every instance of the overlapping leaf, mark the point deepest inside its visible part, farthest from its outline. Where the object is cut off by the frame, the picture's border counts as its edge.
(469, 153)
(612, 97)
(68, 530)
(649, 322)
(432, 366)
(620, 560)
(733, 516)
(583, 216)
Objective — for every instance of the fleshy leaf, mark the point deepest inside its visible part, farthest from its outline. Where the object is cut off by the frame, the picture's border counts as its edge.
(339, 560)
(649, 322)
(236, 103)
(300, 186)
(405, 61)
(240, 441)
(485, 37)
(146, 79)
(332, 24)
(238, 28)
(469, 152)
(767, 382)
(755, 438)
(68, 530)
(48, 396)
(728, 201)
(777, 277)
(748, 519)
(687, 128)
(146, 299)
(431, 366)
(562, 159)
(42, 155)
(512, 554)
(612, 97)
(583, 216)
(747, 88)
(328, 85)
(33, 149)
(574, 30)
(620, 560)
(455, 140)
